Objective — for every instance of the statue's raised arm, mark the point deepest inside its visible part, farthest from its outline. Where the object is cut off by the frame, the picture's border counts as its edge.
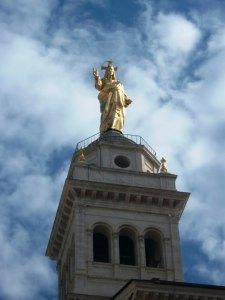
(98, 81)
(112, 99)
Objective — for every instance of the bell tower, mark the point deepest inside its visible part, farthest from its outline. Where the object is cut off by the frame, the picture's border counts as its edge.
(117, 218)
(118, 215)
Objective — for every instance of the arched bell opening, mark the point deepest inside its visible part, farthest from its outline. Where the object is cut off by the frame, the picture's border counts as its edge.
(101, 244)
(153, 249)
(127, 247)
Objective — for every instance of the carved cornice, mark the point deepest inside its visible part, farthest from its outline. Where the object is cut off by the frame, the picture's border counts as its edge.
(83, 193)
(61, 222)
(129, 194)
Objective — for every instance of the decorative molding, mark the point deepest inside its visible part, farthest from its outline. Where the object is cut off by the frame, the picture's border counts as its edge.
(80, 193)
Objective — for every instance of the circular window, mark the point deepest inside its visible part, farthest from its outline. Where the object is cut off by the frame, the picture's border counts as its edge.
(122, 161)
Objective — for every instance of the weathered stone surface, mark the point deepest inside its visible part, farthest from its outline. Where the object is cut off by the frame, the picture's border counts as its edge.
(159, 289)
(98, 192)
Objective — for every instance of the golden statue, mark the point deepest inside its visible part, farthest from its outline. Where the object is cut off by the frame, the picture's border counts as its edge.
(80, 155)
(112, 99)
(163, 166)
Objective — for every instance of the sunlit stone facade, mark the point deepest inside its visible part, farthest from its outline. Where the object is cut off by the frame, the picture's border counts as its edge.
(117, 222)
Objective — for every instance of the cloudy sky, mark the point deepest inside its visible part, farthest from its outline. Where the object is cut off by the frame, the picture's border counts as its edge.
(171, 59)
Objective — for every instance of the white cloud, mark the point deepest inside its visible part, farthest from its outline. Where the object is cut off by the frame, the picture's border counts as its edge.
(199, 154)
(48, 101)
(216, 274)
(217, 41)
(38, 89)
(176, 33)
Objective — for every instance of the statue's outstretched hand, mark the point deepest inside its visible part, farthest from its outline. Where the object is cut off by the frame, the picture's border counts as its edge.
(95, 73)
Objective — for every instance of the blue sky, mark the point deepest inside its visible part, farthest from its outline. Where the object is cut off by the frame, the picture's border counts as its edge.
(171, 59)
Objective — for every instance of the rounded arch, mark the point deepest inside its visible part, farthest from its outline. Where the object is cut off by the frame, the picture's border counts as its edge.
(130, 226)
(153, 238)
(101, 242)
(105, 225)
(154, 229)
(127, 245)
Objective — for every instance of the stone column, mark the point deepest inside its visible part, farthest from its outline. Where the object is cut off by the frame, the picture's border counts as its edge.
(115, 254)
(167, 259)
(175, 245)
(141, 256)
(89, 246)
(80, 245)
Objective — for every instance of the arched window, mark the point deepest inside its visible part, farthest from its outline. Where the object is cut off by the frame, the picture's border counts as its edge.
(101, 246)
(127, 247)
(153, 249)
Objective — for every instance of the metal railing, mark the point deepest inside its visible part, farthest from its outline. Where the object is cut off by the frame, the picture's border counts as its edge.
(137, 139)
(84, 143)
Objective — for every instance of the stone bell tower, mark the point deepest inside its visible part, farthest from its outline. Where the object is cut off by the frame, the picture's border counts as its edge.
(118, 214)
(117, 219)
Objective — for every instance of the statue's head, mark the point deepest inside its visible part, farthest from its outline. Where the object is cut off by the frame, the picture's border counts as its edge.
(110, 70)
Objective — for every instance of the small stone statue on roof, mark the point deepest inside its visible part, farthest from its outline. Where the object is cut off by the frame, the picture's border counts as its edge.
(112, 98)
(163, 166)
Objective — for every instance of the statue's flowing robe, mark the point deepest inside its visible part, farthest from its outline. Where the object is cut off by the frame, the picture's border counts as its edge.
(112, 100)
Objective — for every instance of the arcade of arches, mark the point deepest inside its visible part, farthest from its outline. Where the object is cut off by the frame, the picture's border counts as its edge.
(130, 247)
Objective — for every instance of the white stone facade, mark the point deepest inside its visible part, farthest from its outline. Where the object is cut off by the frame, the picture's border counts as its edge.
(136, 199)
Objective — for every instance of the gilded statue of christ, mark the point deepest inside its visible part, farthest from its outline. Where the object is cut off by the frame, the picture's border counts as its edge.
(112, 98)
